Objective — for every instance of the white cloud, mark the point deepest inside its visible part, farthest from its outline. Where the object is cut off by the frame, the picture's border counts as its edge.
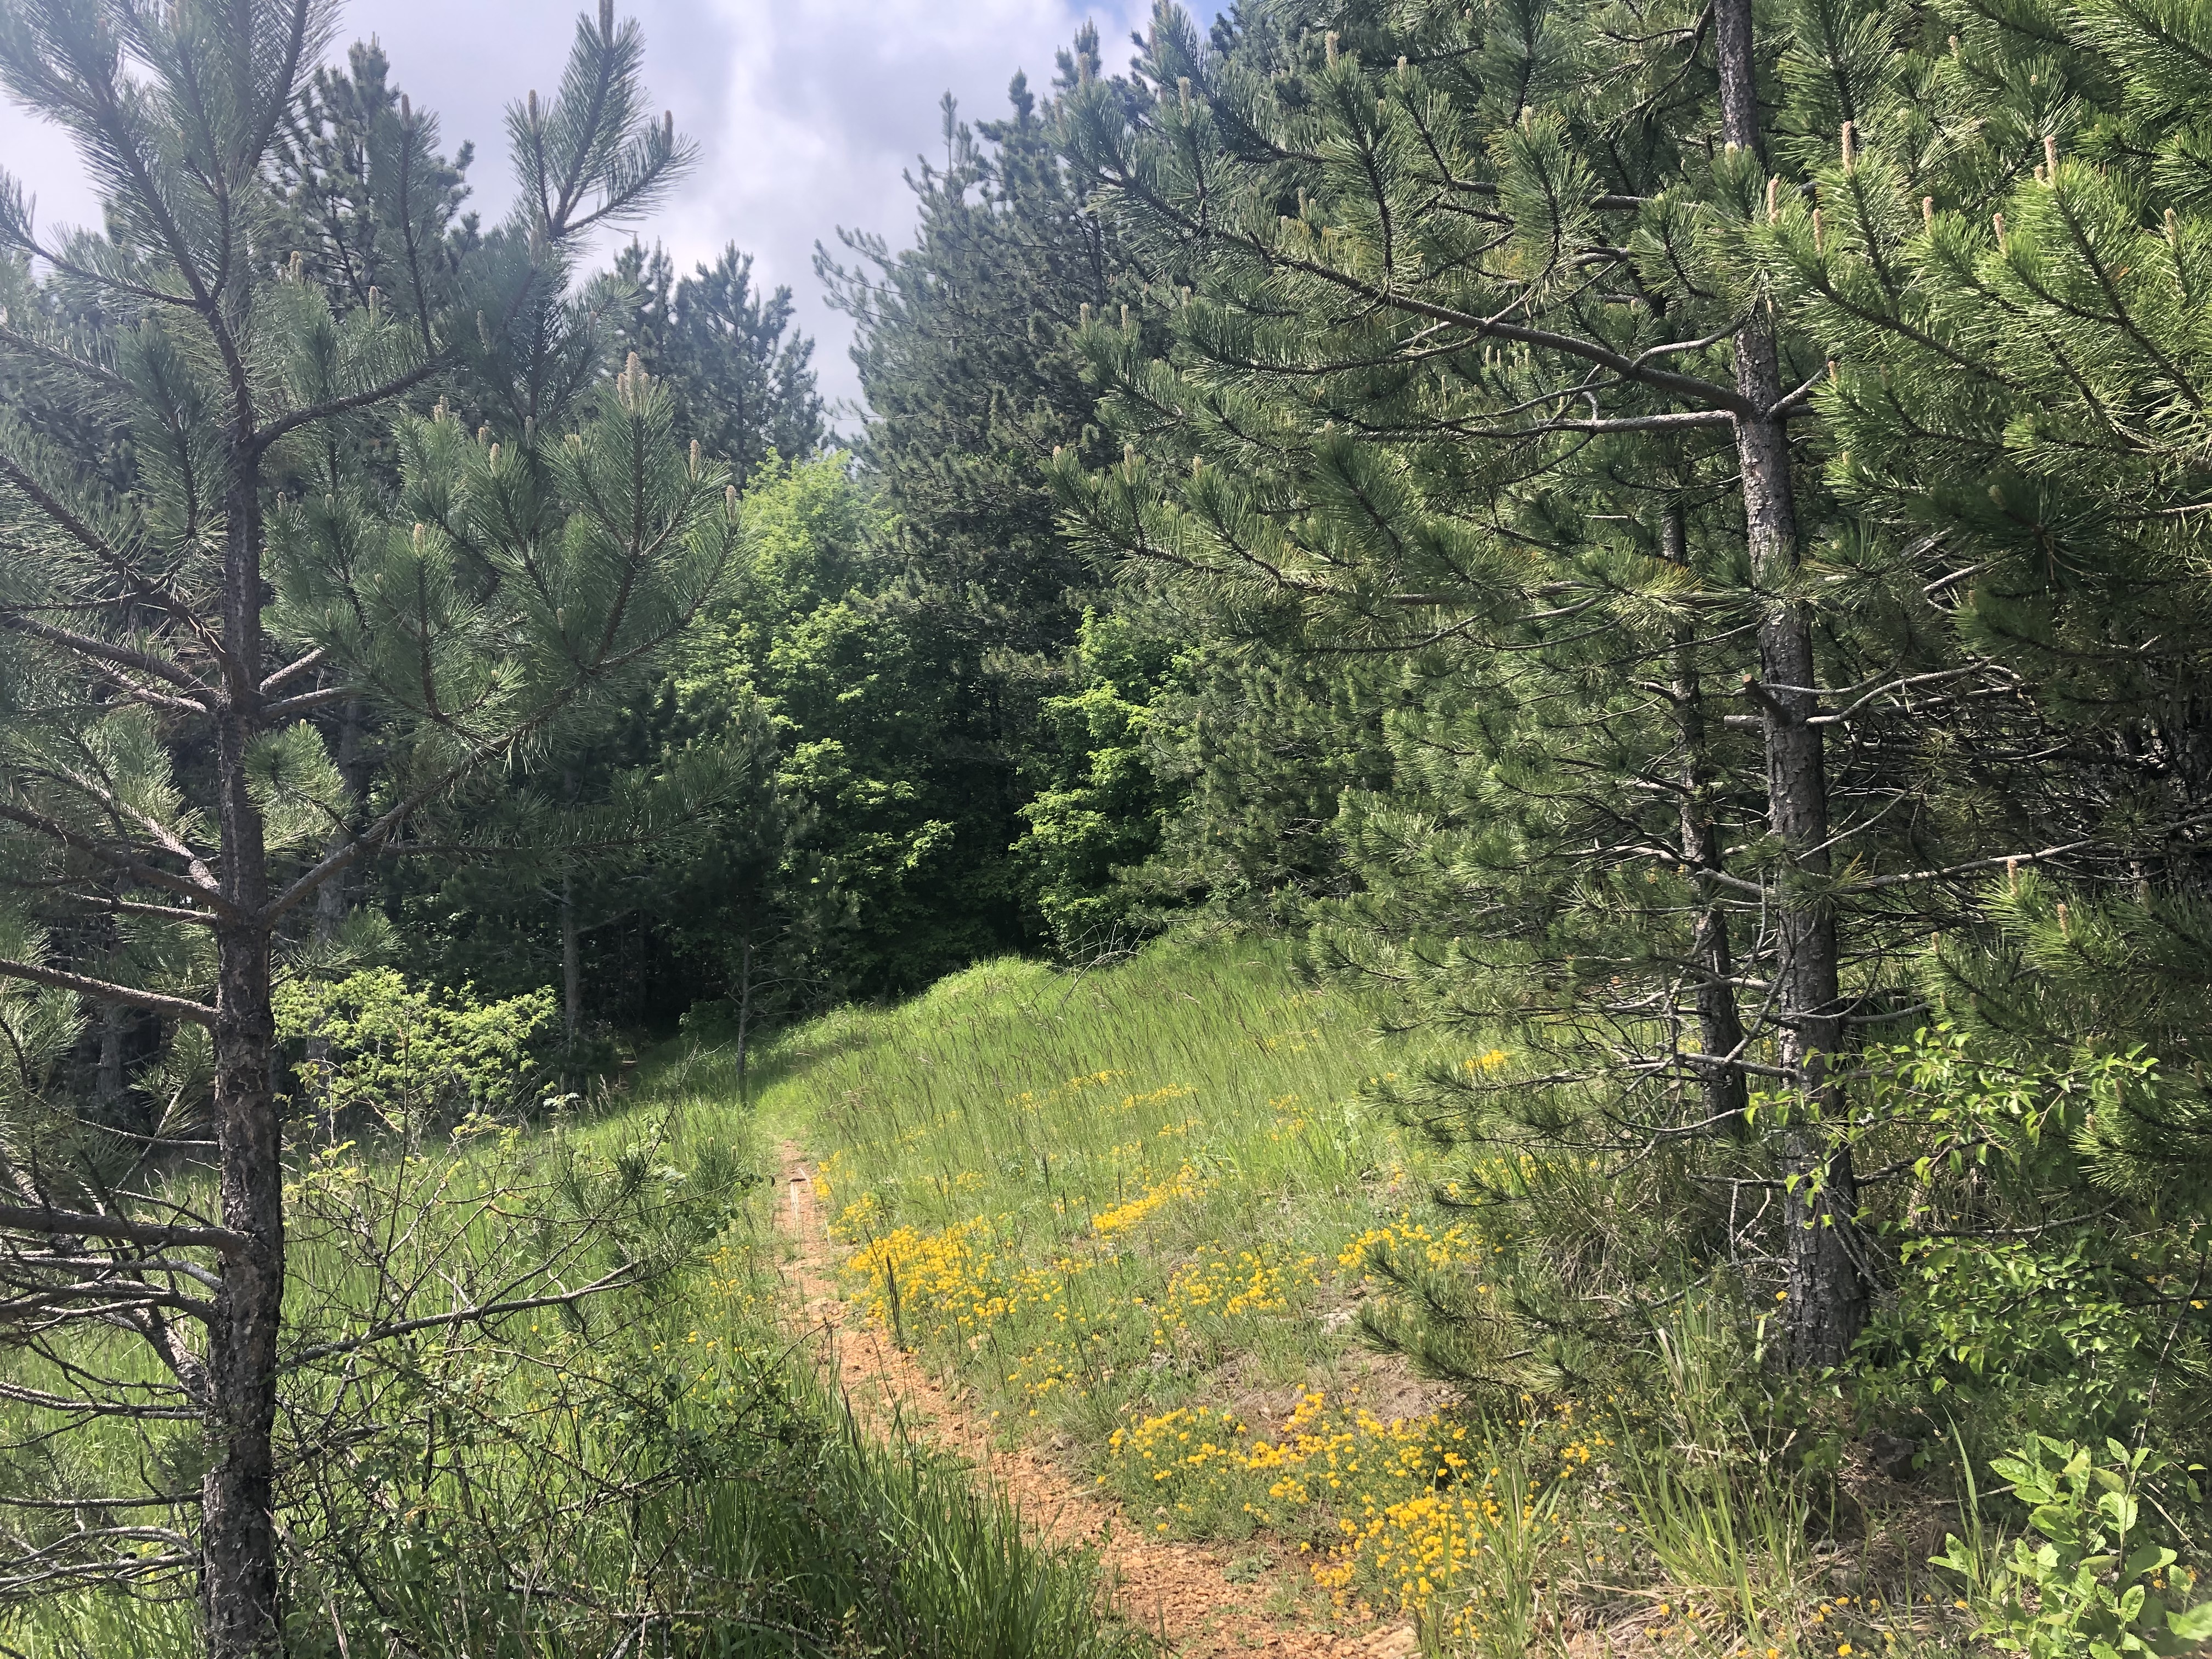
(807, 111)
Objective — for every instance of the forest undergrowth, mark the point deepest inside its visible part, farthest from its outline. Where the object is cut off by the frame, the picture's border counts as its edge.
(1159, 1220)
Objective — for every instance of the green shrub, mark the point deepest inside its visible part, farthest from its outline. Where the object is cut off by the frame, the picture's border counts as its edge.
(373, 1045)
(2102, 1581)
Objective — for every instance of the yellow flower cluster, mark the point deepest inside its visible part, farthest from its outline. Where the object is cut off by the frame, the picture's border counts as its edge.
(1407, 1236)
(830, 1173)
(1289, 1120)
(1184, 1183)
(1030, 1101)
(858, 1220)
(956, 1286)
(1401, 1510)
(1173, 1092)
(1213, 1282)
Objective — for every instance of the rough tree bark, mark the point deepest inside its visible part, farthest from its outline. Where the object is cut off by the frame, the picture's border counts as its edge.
(1826, 1302)
(237, 1494)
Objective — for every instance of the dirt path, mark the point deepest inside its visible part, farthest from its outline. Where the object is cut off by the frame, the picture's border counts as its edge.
(1179, 1589)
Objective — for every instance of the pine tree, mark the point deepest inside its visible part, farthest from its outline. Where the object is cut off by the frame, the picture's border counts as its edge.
(2010, 263)
(164, 645)
(1467, 369)
(369, 201)
(2008, 258)
(965, 353)
(743, 378)
(965, 350)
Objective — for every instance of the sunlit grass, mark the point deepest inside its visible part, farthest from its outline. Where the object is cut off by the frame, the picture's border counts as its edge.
(1137, 1210)
(666, 1458)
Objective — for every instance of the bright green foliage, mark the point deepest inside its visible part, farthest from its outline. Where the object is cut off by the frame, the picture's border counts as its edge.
(2102, 1581)
(878, 740)
(405, 1057)
(1101, 812)
(2031, 1284)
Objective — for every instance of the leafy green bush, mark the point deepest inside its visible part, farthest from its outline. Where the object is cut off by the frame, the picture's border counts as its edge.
(2100, 1581)
(2038, 1285)
(373, 1045)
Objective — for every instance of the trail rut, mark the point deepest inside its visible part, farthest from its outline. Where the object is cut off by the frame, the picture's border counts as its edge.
(1178, 1591)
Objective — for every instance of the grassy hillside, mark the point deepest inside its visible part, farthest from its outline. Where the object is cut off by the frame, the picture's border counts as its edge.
(1151, 1218)
(1141, 1212)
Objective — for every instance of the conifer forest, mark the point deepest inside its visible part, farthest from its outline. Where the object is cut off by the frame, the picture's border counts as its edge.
(1444, 886)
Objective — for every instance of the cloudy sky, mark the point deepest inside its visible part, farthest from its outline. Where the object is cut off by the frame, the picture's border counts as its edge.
(808, 110)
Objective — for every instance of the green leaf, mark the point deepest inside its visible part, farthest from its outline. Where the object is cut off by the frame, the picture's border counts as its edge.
(2148, 1559)
(2057, 1524)
(2193, 1623)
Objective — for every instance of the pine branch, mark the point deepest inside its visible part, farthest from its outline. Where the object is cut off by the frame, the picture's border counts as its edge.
(308, 701)
(102, 990)
(104, 552)
(285, 425)
(84, 1224)
(121, 656)
(55, 357)
(1712, 394)
(292, 670)
(206, 890)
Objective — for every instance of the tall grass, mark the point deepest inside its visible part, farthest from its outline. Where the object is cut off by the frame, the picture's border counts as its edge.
(1135, 1209)
(1168, 1154)
(664, 1472)
(1140, 1210)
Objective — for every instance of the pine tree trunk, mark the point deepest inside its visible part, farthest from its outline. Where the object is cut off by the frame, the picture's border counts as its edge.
(1720, 1027)
(1826, 1294)
(239, 1573)
(238, 1493)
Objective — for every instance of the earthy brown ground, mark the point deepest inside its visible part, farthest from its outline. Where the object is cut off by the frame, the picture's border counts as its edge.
(1178, 1590)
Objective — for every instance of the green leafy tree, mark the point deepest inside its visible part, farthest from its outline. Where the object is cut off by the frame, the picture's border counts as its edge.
(881, 747)
(1101, 812)
(163, 646)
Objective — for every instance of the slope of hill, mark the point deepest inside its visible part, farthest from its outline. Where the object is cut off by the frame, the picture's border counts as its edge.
(1134, 1218)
